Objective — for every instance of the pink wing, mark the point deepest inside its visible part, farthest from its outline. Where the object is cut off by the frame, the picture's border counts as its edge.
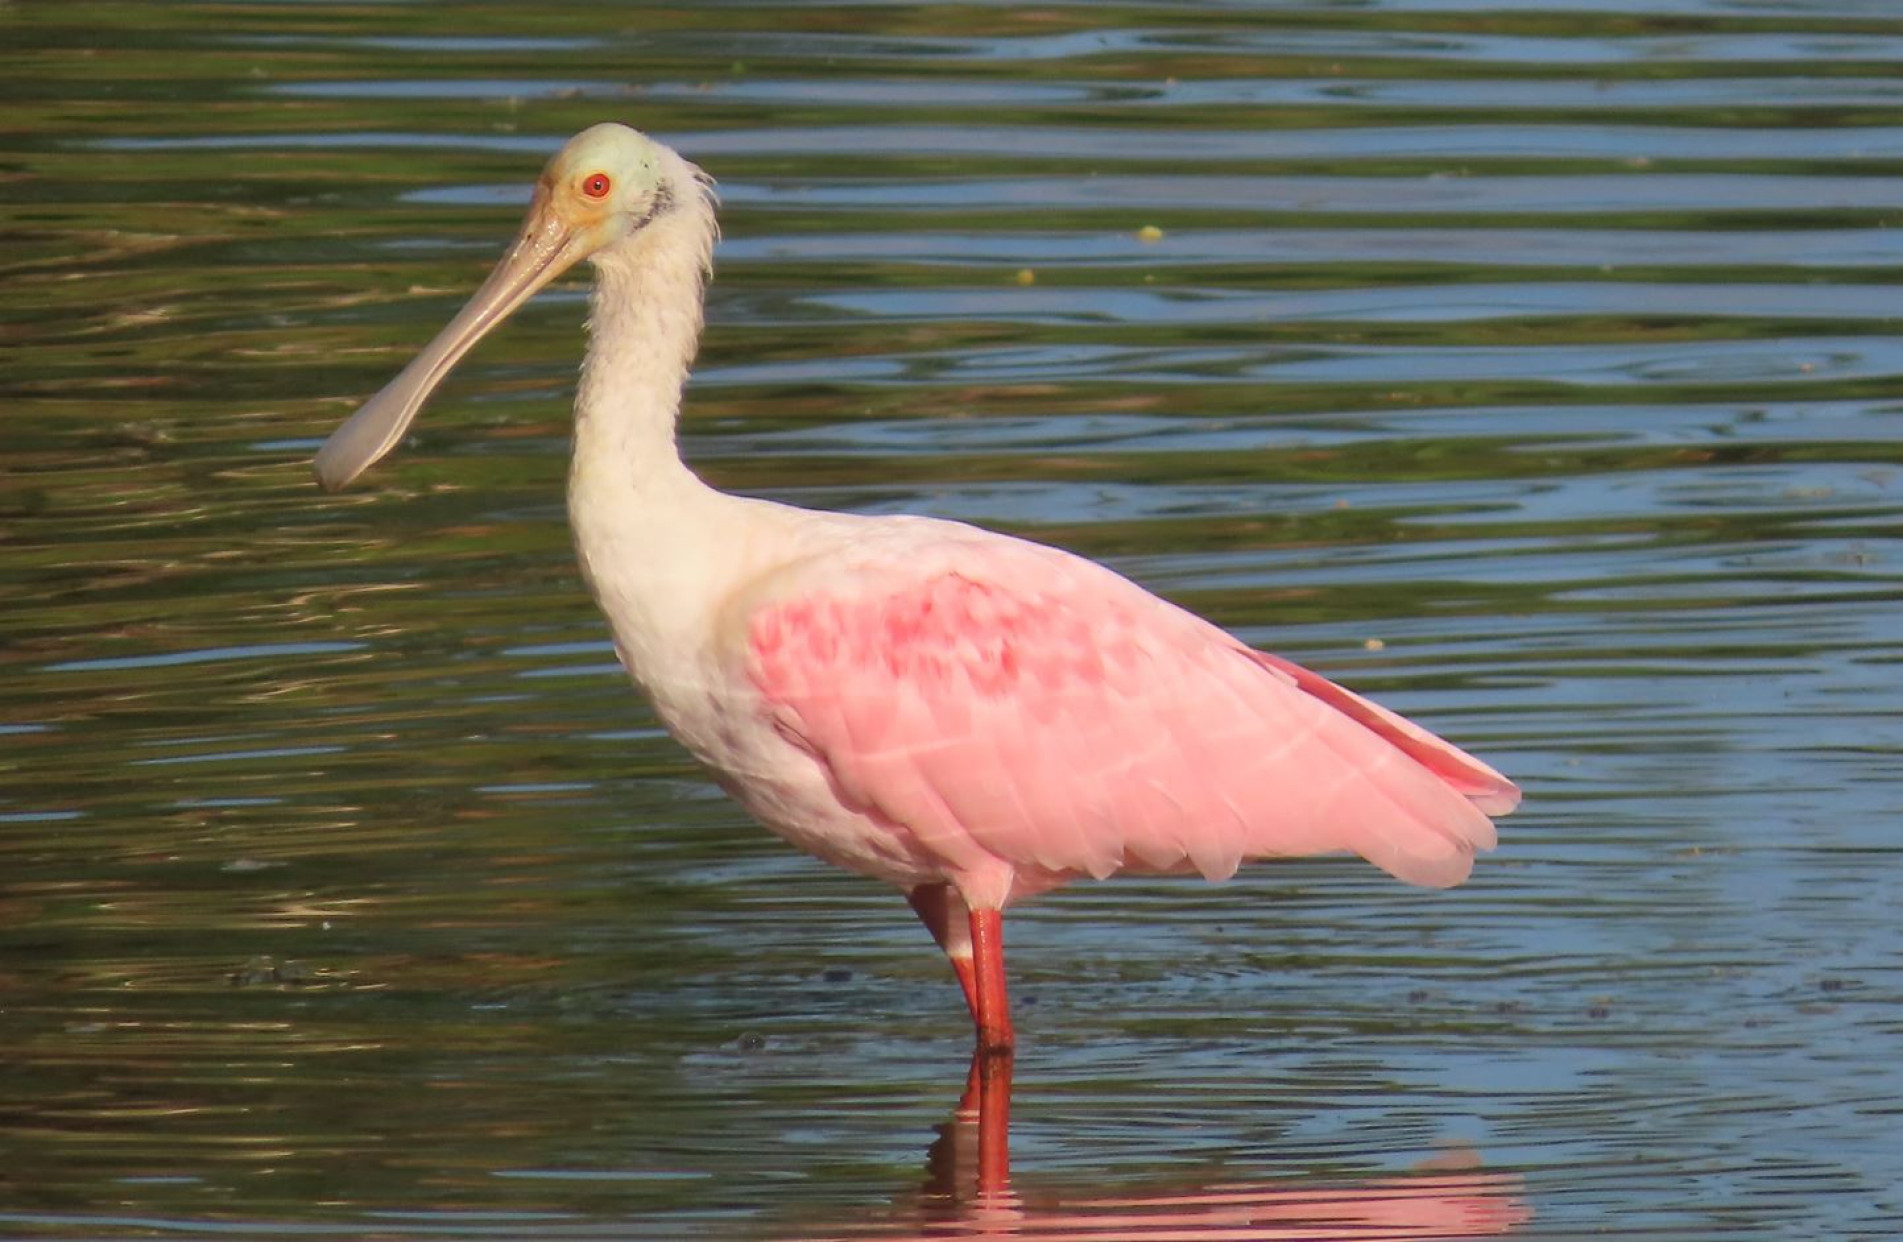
(1012, 704)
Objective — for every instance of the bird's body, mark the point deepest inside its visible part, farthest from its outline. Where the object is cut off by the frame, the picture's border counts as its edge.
(925, 702)
(970, 717)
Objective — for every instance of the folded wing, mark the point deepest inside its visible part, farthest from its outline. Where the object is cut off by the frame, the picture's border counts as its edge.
(1011, 703)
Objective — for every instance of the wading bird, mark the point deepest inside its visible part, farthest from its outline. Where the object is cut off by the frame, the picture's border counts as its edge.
(970, 717)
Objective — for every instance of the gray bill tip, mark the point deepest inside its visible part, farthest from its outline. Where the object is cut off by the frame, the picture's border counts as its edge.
(369, 434)
(333, 468)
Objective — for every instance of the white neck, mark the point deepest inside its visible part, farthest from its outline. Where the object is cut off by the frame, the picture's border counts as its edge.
(641, 518)
(644, 326)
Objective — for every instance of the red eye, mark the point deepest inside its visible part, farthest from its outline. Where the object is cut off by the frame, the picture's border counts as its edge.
(596, 185)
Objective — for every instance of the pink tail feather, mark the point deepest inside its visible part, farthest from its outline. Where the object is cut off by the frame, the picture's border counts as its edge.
(1490, 792)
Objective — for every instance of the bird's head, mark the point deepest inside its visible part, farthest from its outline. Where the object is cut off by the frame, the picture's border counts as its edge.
(603, 188)
(605, 184)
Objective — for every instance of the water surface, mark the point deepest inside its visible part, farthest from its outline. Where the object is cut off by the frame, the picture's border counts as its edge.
(1531, 369)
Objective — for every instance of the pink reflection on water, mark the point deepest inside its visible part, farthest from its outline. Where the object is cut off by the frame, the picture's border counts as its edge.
(968, 1195)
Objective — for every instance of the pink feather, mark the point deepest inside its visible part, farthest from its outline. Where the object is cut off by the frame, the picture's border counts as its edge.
(1012, 709)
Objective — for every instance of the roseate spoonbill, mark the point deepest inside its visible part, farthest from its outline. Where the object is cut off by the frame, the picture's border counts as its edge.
(971, 717)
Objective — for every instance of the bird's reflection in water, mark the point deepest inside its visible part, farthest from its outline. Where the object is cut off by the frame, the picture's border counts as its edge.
(968, 1194)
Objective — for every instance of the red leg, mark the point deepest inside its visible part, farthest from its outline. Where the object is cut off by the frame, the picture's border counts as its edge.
(992, 1006)
(979, 961)
(968, 980)
(933, 905)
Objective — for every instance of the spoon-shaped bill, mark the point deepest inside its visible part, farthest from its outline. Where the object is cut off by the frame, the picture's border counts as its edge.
(545, 248)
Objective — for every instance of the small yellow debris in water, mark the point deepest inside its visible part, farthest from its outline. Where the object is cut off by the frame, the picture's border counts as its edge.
(1373, 644)
(1026, 276)
(1149, 233)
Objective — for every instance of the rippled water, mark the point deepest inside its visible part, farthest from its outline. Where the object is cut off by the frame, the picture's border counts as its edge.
(1533, 370)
